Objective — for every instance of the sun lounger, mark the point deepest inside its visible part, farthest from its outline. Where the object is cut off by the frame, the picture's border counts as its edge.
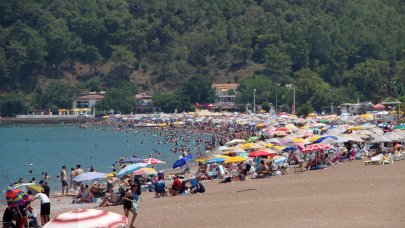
(376, 160)
(388, 159)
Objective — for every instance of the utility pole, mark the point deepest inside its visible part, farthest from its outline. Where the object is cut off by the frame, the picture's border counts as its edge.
(293, 108)
(254, 100)
(277, 85)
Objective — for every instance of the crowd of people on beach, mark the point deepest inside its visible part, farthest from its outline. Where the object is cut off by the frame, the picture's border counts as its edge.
(226, 161)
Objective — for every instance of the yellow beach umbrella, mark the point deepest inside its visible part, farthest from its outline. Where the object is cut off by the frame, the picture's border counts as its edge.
(112, 174)
(163, 125)
(259, 125)
(234, 159)
(314, 138)
(298, 140)
(367, 116)
(278, 147)
(268, 145)
(356, 128)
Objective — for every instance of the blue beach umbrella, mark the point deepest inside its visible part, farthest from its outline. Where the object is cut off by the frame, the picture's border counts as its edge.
(215, 160)
(182, 161)
(290, 148)
(325, 137)
(89, 176)
(130, 168)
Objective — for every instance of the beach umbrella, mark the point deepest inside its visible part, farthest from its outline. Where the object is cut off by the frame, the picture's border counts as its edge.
(144, 171)
(204, 157)
(273, 141)
(283, 129)
(182, 161)
(130, 160)
(87, 218)
(314, 138)
(152, 161)
(234, 159)
(16, 197)
(223, 148)
(215, 160)
(89, 176)
(34, 188)
(260, 153)
(130, 169)
(325, 137)
(400, 127)
(316, 147)
(298, 140)
(235, 141)
(252, 139)
(279, 159)
(289, 148)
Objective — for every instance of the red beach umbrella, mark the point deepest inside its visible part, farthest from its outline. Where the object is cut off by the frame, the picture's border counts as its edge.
(316, 147)
(283, 129)
(87, 218)
(261, 153)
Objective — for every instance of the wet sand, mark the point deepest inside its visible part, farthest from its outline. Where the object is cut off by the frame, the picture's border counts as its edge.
(346, 195)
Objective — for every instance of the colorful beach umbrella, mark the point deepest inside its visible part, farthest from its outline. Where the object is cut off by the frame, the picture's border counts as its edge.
(153, 161)
(182, 161)
(145, 171)
(316, 147)
(130, 169)
(89, 176)
(87, 218)
(34, 188)
(16, 197)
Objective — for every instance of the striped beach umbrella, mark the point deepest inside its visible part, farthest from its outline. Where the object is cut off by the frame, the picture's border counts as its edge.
(152, 161)
(316, 147)
(87, 218)
(16, 197)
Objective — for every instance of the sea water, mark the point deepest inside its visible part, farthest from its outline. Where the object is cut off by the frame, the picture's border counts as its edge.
(46, 148)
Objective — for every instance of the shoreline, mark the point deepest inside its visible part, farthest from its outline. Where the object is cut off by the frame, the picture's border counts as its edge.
(46, 120)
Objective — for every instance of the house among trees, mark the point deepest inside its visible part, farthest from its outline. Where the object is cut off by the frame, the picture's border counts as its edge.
(87, 101)
(226, 96)
(143, 103)
(356, 108)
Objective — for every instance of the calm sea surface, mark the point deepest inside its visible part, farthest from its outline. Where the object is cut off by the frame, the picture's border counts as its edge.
(45, 148)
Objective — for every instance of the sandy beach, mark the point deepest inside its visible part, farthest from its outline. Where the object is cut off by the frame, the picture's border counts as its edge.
(346, 195)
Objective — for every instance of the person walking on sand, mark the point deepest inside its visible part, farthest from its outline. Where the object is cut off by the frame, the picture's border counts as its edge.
(72, 176)
(132, 197)
(64, 180)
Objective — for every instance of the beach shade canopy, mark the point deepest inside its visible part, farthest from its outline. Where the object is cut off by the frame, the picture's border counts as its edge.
(153, 161)
(316, 147)
(261, 153)
(145, 171)
(130, 160)
(34, 188)
(89, 176)
(130, 169)
(16, 197)
(215, 160)
(87, 218)
(252, 139)
(325, 137)
(182, 161)
(279, 159)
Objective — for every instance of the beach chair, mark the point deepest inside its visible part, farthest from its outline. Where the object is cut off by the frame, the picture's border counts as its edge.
(376, 160)
(299, 167)
(388, 160)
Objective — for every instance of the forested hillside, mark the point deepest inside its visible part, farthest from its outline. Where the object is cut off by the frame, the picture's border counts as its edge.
(333, 50)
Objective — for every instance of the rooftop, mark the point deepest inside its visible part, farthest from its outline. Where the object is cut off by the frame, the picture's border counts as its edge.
(91, 96)
(231, 86)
